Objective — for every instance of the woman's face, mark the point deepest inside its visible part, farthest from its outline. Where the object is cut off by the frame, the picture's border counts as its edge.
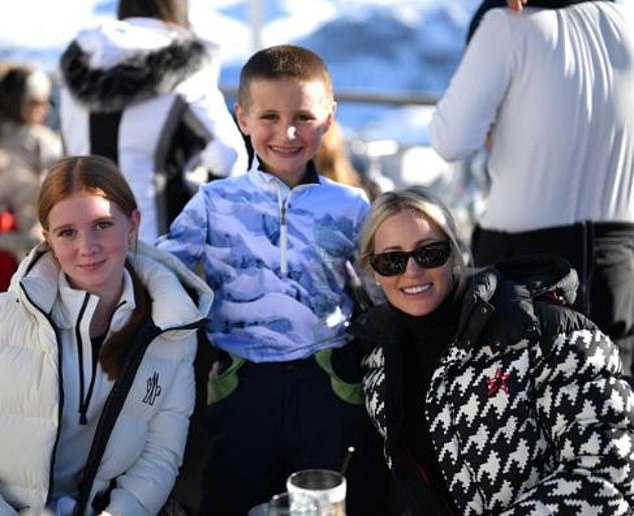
(417, 291)
(89, 236)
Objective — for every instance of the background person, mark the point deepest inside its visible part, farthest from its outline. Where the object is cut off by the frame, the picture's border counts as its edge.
(25, 96)
(19, 229)
(332, 161)
(143, 91)
(492, 395)
(553, 90)
(80, 307)
(273, 245)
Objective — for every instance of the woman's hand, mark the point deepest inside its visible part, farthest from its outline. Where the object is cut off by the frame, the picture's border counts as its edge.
(516, 5)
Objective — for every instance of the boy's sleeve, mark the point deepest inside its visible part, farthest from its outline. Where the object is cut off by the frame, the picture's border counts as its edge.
(188, 233)
(363, 210)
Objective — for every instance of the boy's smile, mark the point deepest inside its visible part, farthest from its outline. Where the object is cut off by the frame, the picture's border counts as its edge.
(286, 119)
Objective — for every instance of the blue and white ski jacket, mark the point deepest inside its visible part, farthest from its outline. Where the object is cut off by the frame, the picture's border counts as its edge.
(275, 258)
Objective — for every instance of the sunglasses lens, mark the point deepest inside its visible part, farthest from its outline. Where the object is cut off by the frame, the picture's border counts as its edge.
(428, 256)
(432, 255)
(389, 264)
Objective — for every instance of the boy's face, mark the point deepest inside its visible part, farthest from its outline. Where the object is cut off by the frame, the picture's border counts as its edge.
(286, 119)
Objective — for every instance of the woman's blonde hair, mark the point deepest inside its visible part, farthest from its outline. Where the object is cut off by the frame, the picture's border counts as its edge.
(421, 201)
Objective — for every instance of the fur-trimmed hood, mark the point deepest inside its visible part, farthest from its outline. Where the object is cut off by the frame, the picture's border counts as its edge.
(124, 62)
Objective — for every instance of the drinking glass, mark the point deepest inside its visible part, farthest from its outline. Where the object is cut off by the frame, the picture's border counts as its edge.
(293, 504)
(326, 486)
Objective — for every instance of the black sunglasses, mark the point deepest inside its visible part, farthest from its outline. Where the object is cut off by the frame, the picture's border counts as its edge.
(427, 256)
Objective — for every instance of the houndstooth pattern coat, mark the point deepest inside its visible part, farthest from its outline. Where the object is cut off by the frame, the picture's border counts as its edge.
(527, 409)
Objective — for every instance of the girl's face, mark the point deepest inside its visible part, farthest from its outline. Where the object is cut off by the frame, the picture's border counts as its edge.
(286, 119)
(89, 236)
(417, 291)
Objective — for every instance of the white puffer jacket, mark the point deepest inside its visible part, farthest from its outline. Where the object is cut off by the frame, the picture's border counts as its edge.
(146, 446)
(160, 82)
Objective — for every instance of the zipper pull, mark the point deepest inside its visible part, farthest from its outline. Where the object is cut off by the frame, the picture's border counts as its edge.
(283, 240)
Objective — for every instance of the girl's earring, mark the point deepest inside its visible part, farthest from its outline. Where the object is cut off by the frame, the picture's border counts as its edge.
(134, 242)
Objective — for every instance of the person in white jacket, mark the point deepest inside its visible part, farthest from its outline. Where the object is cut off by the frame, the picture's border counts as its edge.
(143, 91)
(552, 90)
(88, 310)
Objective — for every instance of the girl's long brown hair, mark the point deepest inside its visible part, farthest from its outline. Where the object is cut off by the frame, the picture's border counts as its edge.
(99, 176)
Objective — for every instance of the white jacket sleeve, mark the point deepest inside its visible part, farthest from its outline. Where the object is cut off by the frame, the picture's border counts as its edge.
(144, 488)
(226, 152)
(466, 113)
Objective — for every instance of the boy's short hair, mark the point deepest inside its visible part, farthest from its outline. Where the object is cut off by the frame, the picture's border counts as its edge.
(280, 62)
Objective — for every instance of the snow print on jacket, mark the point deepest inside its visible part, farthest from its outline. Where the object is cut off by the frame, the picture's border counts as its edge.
(275, 258)
(527, 408)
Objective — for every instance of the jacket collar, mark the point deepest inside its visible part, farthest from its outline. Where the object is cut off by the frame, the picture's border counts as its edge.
(506, 294)
(126, 62)
(258, 174)
(165, 274)
(71, 303)
(39, 279)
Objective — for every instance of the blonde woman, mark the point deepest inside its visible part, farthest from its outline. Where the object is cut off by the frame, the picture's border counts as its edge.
(492, 395)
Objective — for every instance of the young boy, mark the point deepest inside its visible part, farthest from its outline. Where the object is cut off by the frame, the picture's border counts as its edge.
(273, 245)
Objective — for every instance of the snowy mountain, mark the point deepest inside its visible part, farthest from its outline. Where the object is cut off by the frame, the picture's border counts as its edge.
(407, 47)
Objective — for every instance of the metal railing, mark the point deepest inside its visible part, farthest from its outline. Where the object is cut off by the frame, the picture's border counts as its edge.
(366, 97)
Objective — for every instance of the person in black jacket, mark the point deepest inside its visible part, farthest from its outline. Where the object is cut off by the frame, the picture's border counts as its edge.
(492, 395)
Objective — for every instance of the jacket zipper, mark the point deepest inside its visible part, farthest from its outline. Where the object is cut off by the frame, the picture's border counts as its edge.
(283, 207)
(283, 239)
(84, 399)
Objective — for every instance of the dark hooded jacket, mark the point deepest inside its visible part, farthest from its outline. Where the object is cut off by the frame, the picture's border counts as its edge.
(526, 408)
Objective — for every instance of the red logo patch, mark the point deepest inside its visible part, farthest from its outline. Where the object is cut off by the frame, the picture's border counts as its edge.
(498, 382)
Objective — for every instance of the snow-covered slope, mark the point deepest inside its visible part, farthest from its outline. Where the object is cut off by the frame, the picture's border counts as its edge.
(406, 47)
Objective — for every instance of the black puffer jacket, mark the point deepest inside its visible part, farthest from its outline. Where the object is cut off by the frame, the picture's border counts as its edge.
(527, 409)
